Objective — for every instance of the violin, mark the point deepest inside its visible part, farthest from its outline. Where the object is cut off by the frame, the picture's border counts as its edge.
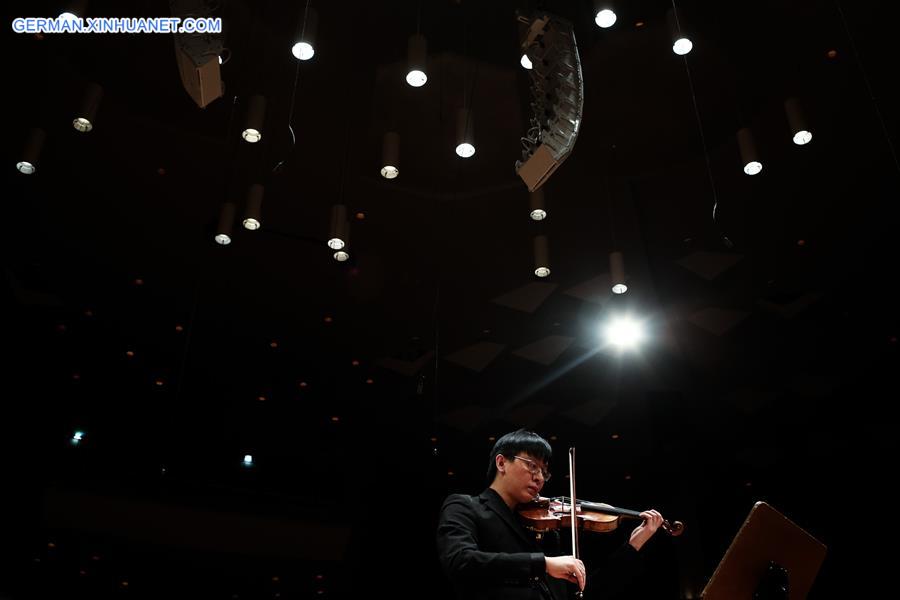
(546, 514)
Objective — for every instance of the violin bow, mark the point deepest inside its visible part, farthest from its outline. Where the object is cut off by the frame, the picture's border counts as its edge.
(573, 510)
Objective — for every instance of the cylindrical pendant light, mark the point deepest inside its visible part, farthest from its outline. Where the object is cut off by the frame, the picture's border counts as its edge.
(32, 152)
(747, 148)
(226, 223)
(343, 255)
(256, 115)
(681, 43)
(87, 112)
(390, 155)
(537, 206)
(541, 256)
(253, 213)
(617, 272)
(604, 15)
(338, 232)
(465, 140)
(416, 54)
(304, 48)
(797, 120)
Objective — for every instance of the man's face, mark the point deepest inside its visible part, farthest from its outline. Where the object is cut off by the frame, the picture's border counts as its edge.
(524, 476)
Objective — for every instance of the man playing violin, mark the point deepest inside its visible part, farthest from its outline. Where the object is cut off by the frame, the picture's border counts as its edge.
(488, 554)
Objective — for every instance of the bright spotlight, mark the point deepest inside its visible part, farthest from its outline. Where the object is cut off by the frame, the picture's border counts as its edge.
(605, 18)
(624, 333)
(682, 46)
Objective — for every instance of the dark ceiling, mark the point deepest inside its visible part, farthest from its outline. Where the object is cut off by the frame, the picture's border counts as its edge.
(368, 390)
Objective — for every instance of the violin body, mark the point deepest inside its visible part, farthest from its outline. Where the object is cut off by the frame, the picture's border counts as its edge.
(546, 514)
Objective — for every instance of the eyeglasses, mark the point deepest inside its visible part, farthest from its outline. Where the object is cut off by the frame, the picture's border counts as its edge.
(534, 468)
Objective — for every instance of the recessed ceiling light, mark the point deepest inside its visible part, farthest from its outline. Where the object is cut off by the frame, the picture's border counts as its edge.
(273, 344)
(328, 319)
(179, 328)
(138, 281)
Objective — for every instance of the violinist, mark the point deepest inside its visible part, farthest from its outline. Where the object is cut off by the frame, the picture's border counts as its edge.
(487, 553)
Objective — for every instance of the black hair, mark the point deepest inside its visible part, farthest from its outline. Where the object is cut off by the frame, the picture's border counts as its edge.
(515, 442)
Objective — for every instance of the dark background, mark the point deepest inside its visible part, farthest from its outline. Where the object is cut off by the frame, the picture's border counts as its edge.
(769, 373)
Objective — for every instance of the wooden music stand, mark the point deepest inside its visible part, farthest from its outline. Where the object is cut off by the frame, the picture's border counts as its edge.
(766, 537)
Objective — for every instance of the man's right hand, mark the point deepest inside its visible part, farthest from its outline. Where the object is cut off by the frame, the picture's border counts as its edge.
(566, 567)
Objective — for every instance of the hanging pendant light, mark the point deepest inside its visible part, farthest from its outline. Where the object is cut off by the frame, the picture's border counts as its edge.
(747, 148)
(338, 231)
(226, 223)
(617, 272)
(541, 256)
(343, 255)
(252, 216)
(416, 55)
(390, 155)
(87, 113)
(304, 48)
(256, 115)
(31, 154)
(681, 43)
(604, 15)
(538, 209)
(465, 141)
(800, 132)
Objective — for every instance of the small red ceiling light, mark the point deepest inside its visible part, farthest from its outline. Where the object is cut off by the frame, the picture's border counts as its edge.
(638, 24)
(273, 344)
(261, 398)
(355, 363)
(360, 216)
(76, 376)
(335, 419)
(627, 477)
(328, 319)
(129, 353)
(179, 328)
(370, 381)
(832, 54)
(159, 382)
(801, 242)
(161, 171)
(303, 384)
(138, 281)
(615, 436)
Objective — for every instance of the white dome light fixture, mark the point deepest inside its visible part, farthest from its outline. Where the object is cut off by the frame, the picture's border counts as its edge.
(537, 205)
(253, 214)
(87, 113)
(617, 272)
(390, 155)
(800, 133)
(304, 48)
(465, 143)
(416, 54)
(681, 41)
(337, 237)
(605, 18)
(226, 224)
(541, 256)
(256, 115)
(33, 145)
(747, 147)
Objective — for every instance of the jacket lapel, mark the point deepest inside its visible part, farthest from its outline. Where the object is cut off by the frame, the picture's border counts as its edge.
(494, 502)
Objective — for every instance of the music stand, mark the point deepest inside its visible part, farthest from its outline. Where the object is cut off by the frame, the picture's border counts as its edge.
(766, 536)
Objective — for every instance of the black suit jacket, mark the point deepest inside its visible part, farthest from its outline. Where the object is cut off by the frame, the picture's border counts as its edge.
(488, 555)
